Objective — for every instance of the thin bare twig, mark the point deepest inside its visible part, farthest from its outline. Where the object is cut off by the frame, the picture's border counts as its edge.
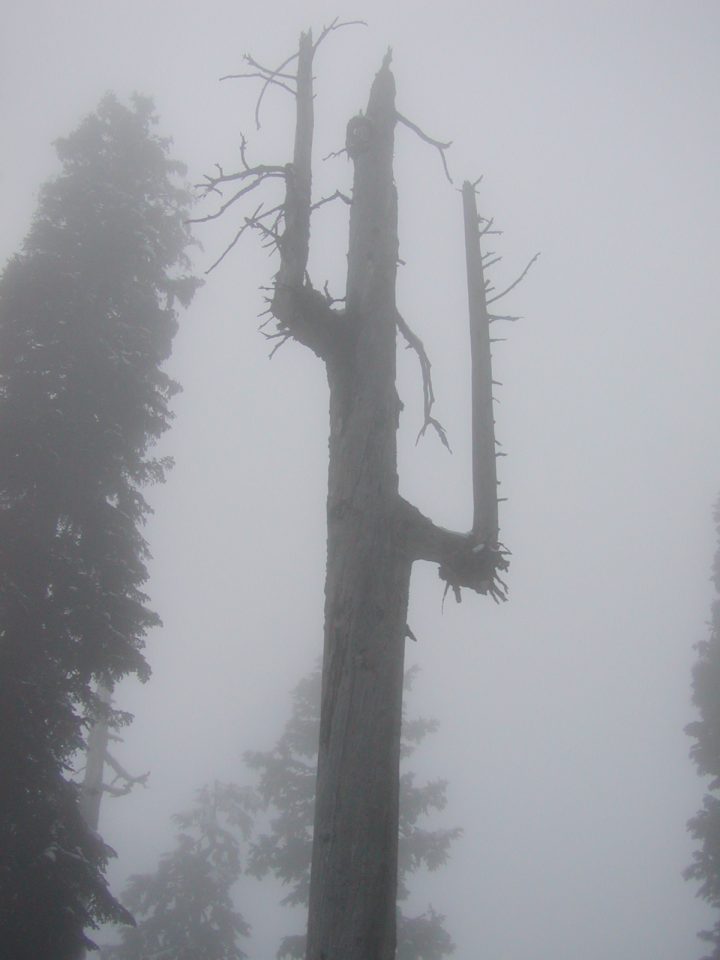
(335, 25)
(488, 229)
(335, 153)
(415, 343)
(252, 222)
(228, 248)
(260, 76)
(260, 173)
(438, 144)
(515, 282)
(248, 58)
(261, 170)
(270, 78)
(338, 195)
(282, 337)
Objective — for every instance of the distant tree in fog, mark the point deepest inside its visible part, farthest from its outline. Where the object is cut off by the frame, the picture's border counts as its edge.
(87, 317)
(705, 825)
(286, 786)
(184, 910)
(374, 535)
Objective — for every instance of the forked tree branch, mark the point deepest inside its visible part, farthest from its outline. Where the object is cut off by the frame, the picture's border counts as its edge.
(212, 185)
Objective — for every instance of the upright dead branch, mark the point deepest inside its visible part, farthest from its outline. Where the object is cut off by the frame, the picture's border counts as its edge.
(485, 507)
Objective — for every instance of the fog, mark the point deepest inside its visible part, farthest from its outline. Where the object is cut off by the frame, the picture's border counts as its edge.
(595, 127)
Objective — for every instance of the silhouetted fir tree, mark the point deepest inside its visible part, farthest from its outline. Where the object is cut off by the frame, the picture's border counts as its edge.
(87, 317)
(184, 910)
(286, 785)
(705, 825)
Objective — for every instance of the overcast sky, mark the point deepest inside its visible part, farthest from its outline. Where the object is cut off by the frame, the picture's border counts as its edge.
(595, 126)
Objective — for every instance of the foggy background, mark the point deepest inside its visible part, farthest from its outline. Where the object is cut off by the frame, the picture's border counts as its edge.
(595, 125)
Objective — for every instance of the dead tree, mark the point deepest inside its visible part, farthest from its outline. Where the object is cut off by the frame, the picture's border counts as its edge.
(374, 535)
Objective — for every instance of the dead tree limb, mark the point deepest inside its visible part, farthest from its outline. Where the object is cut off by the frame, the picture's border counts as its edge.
(439, 145)
(415, 343)
(485, 511)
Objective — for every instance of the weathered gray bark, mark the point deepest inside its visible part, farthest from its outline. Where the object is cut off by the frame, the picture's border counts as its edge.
(354, 873)
(373, 539)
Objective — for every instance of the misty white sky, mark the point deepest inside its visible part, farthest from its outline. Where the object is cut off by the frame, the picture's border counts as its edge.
(595, 125)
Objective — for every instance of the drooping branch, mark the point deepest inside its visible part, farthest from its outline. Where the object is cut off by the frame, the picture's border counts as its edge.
(415, 343)
(439, 145)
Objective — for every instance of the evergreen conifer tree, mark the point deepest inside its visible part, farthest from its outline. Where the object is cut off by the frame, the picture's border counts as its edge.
(184, 910)
(705, 825)
(87, 317)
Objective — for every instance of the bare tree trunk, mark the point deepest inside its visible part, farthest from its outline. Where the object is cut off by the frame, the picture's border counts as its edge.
(354, 875)
(92, 788)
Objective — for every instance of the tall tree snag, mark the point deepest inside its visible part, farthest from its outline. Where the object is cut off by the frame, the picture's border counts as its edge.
(374, 535)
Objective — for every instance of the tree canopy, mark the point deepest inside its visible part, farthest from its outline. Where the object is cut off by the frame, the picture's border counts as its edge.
(88, 311)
